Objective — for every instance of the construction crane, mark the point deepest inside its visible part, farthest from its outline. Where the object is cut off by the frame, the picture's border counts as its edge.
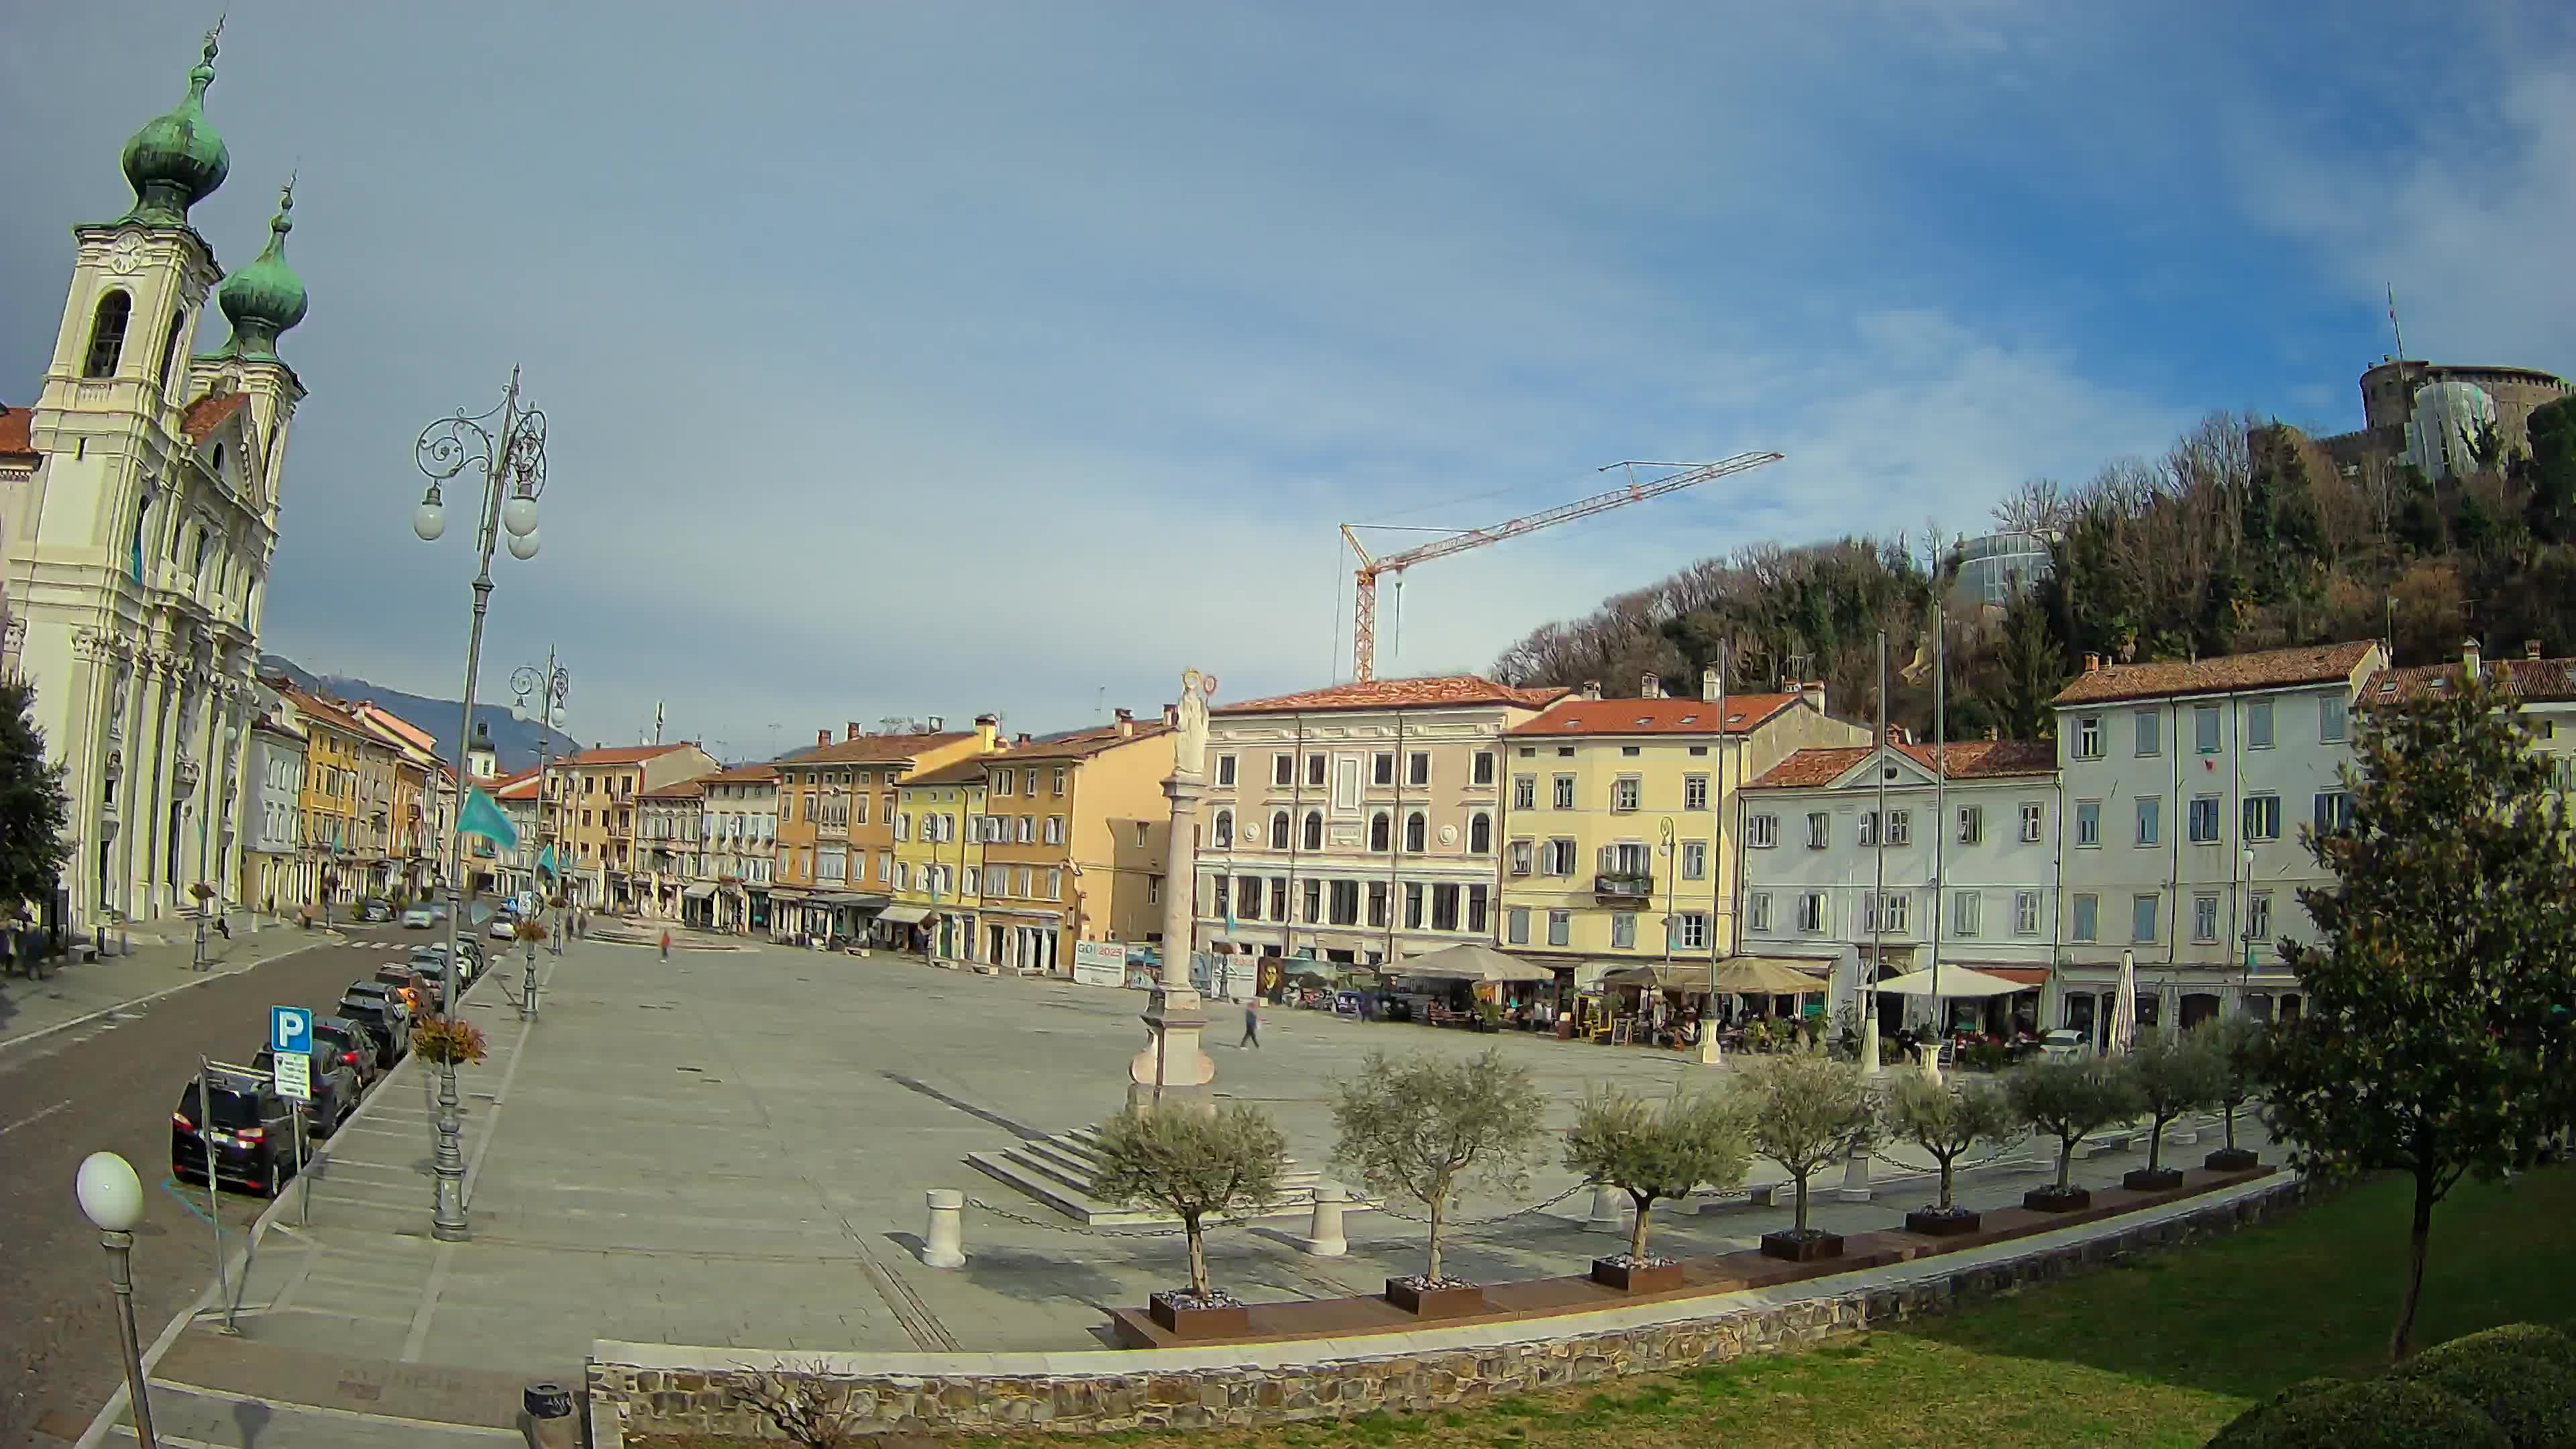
(1364, 606)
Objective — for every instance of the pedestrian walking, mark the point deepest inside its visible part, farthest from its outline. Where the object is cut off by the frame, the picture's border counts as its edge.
(666, 945)
(1251, 1024)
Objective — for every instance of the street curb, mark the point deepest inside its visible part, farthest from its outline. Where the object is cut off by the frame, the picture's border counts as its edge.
(148, 998)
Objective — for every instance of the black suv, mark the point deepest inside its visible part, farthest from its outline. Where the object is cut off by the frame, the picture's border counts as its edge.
(253, 1131)
(384, 1020)
(351, 1042)
(335, 1090)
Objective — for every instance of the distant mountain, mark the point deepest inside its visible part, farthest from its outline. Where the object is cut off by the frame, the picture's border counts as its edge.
(514, 739)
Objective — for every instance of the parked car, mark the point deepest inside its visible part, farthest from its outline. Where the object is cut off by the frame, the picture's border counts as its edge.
(375, 909)
(252, 1133)
(419, 918)
(417, 992)
(2063, 1044)
(351, 1042)
(382, 1014)
(504, 928)
(335, 1091)
(432, 962)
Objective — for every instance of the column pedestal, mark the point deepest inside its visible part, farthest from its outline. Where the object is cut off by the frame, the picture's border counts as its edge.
(1174, 1066)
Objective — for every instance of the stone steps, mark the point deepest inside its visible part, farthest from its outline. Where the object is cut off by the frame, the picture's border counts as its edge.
(1057, 1171)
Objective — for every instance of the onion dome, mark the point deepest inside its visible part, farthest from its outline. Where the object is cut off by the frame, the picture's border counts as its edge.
(264, 298)
(177, 160)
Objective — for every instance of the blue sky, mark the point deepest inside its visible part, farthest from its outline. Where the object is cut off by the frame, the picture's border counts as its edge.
(933, 359)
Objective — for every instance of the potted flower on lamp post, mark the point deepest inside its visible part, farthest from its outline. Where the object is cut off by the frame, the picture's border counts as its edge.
(203, 893)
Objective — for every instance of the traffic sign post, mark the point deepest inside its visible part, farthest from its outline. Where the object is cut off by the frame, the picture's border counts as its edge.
(290, 1029)
(293, 1073)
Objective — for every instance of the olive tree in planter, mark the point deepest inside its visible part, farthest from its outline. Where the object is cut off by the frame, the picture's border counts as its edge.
(1804, 1110)
(1195, 1165)
(2237, 1042)
(2171, 1073)
(1946, 1122)
(2066, 1100)
(1425, 1128)
(1651, 1152)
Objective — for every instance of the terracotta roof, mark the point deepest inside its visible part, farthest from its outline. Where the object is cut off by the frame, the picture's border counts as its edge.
(961, 772)
(16, 425)
(208, 413)
(2270, 669)
(1653, 716)
(1969, 760)
(876, 749)
(1432, 692)
(328, 711)
(374, 713)
(2551, 679)
(622, 754)
(743, 775)
(1079, 745)
(521, 786)
(682, 790)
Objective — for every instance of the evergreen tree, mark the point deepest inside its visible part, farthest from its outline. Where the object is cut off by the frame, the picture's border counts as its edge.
(33, 810)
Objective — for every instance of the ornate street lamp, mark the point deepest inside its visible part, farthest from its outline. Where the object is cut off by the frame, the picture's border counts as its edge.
(508, 447)
(111, 1197)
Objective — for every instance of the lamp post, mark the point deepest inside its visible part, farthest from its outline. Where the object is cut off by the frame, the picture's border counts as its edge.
(511, 455)
(551, 685)
(2245, 915)
(111, 1197)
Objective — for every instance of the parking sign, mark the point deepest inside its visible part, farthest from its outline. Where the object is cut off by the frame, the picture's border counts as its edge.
(293, 1074)
(290, 1029)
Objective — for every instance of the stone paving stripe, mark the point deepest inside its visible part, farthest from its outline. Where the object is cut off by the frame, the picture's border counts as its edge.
(429, 1292)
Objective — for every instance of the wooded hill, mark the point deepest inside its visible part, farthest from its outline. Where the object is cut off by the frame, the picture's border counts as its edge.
(2241, 536)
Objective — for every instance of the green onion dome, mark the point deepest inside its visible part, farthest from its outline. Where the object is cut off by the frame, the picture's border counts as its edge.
(177, 160)
(265, 298)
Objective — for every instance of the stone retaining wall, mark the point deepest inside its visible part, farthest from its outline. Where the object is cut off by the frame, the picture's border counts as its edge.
(1283, 1384)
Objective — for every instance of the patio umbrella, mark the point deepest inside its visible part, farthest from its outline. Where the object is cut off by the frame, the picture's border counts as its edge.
(1470, 962)
(1760, 976)
(1956, 981)
(1304, 966)
(2124, 1011)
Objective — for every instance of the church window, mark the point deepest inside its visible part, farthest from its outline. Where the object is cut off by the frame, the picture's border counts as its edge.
(142, 520)
(107, 334)
(170, 348)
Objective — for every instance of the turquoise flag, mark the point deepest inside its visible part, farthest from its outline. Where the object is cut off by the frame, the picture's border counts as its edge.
(481, 816)
(546, 863)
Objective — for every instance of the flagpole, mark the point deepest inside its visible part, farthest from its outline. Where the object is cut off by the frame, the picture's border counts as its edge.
(1940, 802)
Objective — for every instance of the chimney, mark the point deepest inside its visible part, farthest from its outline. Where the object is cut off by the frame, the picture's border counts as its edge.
(1814, 694)
(1126, 723)
(988, 727)
(1023, 738)
(2530, 648)
(2469, 658)
(1708, 685)
(1171, 716)
(822, 737)
(2092, 662)
(1591, 689)
(938, 723)
(851, 730)
(1651, 687)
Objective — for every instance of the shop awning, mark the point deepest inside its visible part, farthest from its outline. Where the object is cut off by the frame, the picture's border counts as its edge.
(1770, 975)
(1956, 981)
(2031, 977)
(698, 892)
(903, 915)
(1470, 962)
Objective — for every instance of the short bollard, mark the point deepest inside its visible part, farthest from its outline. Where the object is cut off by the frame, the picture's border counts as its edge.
(551, 1423)
(944, 1245)
(1855, 1186)
(1605, 1210)
(1324, 1235)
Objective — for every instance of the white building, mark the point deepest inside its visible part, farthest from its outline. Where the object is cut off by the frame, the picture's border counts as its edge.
(741, 831)
(275, 868)
(2185, 786)
(138, 547)
(1962, 870)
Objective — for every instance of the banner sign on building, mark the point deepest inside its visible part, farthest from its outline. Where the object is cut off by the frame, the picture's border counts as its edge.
(1100, 963)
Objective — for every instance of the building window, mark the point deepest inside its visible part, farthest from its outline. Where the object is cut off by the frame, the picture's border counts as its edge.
(2025, 913)
(2034, 819)
(2088, 737)
(1381, 832)
(1417, 768)
(2142, 918)
(1623, 931)
(1279, 898)
(1247, 897)
(1900, 827)
(2088, 918)
(1625, 792)
(1278, 830)
(1314, 894)
(107, 334)
(1694, 860)
(2204, 729)
(1004, 779)
(1221, 898)
(1315, 770)
(2151, 817)
(1377, 903)
(1222, 834)
(1972, 824)
(2333, 810)
(1413, 905)
(1868, 827)
(2088, 822)
(1382, 768)
(1476, 902)
(1516, 926)
(2262, 817)
(1055, 782)
(1480, 834)
(1757, 911)
(1565, 792)
(2150, 733)
(1225, 769)
(1694, 792)
(2258, 724)
(1520, 855)
(1811, 913)
(1055, 885)
(1345, 903)
(2204, 918)
(1153, 890)
(1560, 927)
(1762, 832)
(1524, 792)
(1314, 830)
(1283, 771)
(2258, 916)
(1967, 912)
(1885, 912)
(2204, 819)
(1484, 768)
(1417, 830)
(2333, 714)
(1692, 934)
(1820, 830)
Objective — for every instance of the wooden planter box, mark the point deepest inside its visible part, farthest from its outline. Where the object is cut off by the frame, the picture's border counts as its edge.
(2160, 1179)
(1660, 1278)
(1812, 1248)
(1436, 1302)
(1934, 1223)
(2050, 1200)
(2231, 1159)
(1231, 1322)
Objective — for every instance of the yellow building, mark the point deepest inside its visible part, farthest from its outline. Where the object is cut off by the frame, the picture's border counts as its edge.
(839, 822)
(1615, 813)
(938, 861)
(590, 808)
(414, 859)
(334, 743)
(1074, 832)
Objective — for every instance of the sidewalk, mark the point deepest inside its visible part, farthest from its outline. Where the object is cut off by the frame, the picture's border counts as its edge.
(76, 991)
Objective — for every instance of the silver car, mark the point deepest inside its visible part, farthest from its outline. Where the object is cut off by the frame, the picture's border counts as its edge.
(2063, 1045)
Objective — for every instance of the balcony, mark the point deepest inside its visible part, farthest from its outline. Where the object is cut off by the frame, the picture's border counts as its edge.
(1622, 886)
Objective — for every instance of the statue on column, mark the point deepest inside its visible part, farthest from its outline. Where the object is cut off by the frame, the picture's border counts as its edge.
(1189, 744)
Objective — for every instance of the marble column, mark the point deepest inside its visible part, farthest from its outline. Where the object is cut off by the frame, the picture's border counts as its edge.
(1173, 1064)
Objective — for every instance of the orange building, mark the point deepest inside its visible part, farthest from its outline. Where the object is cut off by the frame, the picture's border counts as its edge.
(838, 823)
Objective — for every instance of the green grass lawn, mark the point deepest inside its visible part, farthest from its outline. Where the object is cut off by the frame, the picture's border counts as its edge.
(2158, 1352)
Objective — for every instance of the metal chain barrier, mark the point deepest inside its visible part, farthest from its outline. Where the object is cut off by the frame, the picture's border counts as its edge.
(1025, 1220)
(1379, 1207)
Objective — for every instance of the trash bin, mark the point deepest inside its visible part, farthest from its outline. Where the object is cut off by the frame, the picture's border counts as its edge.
(551, 1424)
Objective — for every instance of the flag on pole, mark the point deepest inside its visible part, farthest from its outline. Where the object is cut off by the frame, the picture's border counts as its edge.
(481, 816)
(546, 863)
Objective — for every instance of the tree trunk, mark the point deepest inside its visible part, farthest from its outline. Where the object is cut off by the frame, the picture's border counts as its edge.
(1198, 1255)
(2418, 1235)
(1637, 1234)
(2227, 1117)
(2065, 1162)
(2156, 1144)
(1949, 1166)
(1802, 1201)
(1438, 1201)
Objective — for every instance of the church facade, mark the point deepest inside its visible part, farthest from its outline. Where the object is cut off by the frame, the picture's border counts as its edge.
(139, 535)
